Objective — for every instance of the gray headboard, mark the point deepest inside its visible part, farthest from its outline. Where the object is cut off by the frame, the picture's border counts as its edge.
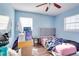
(47, 31)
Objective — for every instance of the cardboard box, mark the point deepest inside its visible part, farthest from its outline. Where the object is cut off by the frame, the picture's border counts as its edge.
(26, 51)
(26, 47)
(25, 43)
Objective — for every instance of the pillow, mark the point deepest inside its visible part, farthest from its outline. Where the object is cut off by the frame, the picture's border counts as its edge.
(43, 41)
(65, 49)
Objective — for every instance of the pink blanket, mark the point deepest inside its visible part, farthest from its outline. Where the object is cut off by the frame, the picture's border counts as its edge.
(65, 49)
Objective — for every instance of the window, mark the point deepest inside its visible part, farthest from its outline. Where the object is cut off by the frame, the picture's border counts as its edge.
(25, 22)
(71, 23)
(4, 20)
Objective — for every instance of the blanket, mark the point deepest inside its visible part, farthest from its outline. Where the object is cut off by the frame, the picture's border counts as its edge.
(50, 44)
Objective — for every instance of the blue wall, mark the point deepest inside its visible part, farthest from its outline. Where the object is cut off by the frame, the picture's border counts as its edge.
(6, 9)
(59, 24)
(39, 21)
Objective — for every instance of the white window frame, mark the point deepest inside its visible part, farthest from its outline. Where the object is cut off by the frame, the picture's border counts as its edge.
(72, 24)
(23, 20)
(4, 22)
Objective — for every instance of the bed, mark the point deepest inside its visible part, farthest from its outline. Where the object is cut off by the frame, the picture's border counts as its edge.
(65, 49)
(69, 48)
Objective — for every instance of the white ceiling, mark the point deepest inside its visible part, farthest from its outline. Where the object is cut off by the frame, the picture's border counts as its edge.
(53, 11)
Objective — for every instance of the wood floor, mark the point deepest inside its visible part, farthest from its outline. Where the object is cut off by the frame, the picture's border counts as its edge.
(38, 50)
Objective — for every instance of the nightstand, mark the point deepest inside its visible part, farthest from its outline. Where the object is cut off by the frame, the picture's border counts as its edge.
(35, 41)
